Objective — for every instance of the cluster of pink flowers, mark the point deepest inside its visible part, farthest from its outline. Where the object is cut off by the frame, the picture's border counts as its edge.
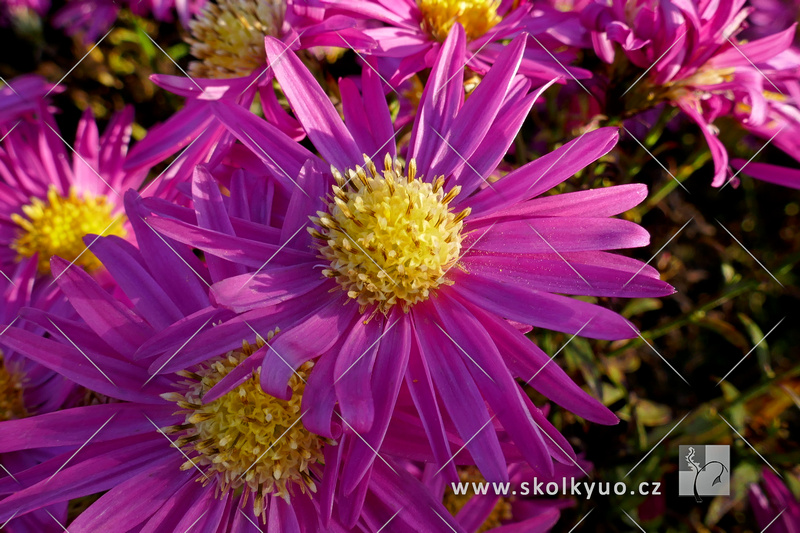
(324, 309)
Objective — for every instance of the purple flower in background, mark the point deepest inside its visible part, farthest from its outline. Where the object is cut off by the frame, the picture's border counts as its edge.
(93, 18)
(408, 272)
(694, 61)
(11, 9)
(773, 499)
(239, 459)
(410, 33)
(49, 201)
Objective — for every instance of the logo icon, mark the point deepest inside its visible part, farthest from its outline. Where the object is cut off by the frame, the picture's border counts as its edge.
(704, 471)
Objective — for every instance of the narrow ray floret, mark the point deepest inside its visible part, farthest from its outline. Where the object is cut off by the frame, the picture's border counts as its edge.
(408, 280)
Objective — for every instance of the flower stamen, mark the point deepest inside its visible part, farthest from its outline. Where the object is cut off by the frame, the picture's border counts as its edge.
(228, 36)
(476, 16)
(389, 236)
(247, 438)
(58, 226)
(12, 404)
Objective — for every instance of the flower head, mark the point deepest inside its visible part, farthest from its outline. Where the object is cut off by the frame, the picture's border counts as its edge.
(408, 33)
(409, 273)
(48, 205)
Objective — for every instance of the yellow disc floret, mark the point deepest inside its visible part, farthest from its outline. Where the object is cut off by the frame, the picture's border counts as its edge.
(57, 227)
(247, 438)
(12, 405)
(476, 16)
(389, 237)
(228, 36)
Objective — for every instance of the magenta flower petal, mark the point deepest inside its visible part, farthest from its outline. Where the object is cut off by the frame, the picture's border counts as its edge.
(420, 385)
(314, 334)
(313, 106)
(147, 296)
(498, 139)
(478, 114)
(71, 363)
(75, 426)
(487, 368)
(232, 248)
(114, 323)
(173, 507)
(354, 364)
(563, 314)
(460, 396)
(605, 202)
(388, 368)
(210, 215)
(544, 173)
(279, 153)
(550, 273)
(112, 463)
(248, 291)
(115, 512)
(788, 177)
(441, 98)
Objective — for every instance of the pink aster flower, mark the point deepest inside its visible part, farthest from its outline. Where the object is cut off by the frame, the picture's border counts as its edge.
(400, 281)
(410, 33)
(51, 198)
(694, 61)
(244, 458)
(773, 499)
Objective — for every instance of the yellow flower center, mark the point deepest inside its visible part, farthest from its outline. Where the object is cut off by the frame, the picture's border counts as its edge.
(476, 16)
(455, 502)
(12, 405)
(57, 227)
(389, 237)
(227, 37)
(247, 438)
